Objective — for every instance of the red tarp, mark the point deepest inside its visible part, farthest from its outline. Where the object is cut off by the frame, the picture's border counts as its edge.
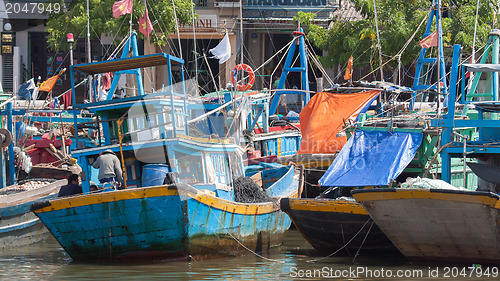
(323, 117)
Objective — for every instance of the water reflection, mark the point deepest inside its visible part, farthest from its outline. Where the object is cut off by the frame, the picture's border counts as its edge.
(48, 261)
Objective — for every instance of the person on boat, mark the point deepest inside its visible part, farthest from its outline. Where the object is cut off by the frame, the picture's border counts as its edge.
(72, 188)
(276, 81)
(109, 167)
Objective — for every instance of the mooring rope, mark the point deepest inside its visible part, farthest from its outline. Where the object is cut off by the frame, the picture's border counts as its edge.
(322, 258)
(245, 247)
(362, 243)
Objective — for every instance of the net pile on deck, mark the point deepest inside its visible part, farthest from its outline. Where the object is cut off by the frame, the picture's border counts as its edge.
(247, 191)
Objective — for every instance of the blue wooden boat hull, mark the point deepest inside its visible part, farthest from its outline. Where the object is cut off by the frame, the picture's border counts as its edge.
(164, 222)
(18, 225)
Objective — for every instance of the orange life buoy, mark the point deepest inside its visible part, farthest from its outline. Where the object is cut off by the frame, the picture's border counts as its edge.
(251, 79)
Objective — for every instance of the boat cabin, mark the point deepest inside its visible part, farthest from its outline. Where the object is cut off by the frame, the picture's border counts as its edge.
(151, 133)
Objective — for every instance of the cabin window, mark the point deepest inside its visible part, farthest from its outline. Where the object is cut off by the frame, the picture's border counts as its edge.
(131, 124)
(189, 167)
(167, 118)
(235, 164)
(210, 169)
(179, 119)
(221, 168)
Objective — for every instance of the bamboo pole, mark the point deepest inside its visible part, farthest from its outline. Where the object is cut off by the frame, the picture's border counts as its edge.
(120, 136)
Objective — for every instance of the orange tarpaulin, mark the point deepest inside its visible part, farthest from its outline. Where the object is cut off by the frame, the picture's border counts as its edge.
(323, 117)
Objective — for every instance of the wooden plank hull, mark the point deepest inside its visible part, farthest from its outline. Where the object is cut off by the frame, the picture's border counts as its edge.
(18, 226)
(329, 225)
(163, 223)
(441, 225)
(316, 166)
(45, 172)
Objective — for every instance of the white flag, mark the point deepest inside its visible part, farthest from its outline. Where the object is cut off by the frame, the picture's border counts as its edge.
(31, 84)
(222, 51)
(34, 96)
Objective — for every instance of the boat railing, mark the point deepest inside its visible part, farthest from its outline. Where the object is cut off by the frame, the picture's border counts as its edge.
(131, 131)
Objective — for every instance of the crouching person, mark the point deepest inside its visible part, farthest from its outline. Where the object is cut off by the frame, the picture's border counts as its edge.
(109, 167)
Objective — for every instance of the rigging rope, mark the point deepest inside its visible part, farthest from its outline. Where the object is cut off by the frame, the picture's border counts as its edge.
(404, 47)
(345, 245)
(177, 29)
(241, 244)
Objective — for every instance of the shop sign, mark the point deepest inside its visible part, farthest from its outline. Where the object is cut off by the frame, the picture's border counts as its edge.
(205, 23)
(7, 42)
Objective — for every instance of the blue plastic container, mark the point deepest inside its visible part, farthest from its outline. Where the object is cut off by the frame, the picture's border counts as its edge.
(154, 174)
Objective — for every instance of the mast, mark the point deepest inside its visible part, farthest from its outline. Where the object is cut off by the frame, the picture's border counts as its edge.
(194, 45)
(89, 59)
(177, 29)
(474, 39)
(423, 60)
(149, 53)
(241, 31)
(378, 43)
(439, 50)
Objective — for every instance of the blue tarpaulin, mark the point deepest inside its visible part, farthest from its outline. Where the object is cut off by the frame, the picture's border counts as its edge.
(372, 158)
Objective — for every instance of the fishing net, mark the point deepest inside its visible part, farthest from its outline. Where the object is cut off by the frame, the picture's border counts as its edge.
(10, 191)
(195, 131)
(247, 191)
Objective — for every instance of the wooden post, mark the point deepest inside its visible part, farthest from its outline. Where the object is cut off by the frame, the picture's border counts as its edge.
(120, 136)
(301, 181)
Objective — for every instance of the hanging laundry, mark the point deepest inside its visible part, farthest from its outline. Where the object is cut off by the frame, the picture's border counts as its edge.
(54, 103)
(348, 71)
(34, 96)
(106, 80)
(66, 99)
(26, 90)
(222, 51)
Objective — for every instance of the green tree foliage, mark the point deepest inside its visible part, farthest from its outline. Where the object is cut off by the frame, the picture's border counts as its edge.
(397, 20)
(74, 20)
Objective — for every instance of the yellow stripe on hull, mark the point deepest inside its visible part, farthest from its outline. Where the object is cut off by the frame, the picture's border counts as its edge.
(106, 197)
(425, 194)
(157, 191)
(327, 205)
(239, 208)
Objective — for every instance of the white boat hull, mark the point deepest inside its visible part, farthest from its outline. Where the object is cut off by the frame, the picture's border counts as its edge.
(18, 225)
(443, 225)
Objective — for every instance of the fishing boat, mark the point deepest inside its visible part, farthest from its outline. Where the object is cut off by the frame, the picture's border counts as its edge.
(334, 221)
(334, 213)
(451, 224)
(186, 195)
(18, 225)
